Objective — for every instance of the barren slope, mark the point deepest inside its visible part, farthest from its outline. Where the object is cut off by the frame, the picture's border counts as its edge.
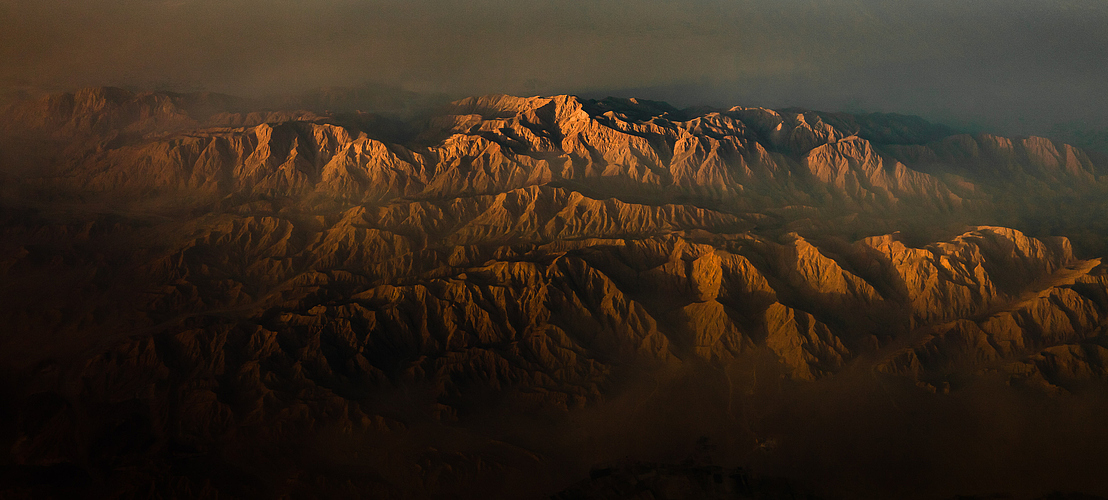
(189, 292)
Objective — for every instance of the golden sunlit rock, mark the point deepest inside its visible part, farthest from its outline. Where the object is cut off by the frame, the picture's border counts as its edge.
(189, 280)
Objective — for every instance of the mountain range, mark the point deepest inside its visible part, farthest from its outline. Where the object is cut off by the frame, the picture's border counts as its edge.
(207, 297)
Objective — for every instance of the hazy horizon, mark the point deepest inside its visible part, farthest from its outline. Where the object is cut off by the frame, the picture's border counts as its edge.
(1014, 67)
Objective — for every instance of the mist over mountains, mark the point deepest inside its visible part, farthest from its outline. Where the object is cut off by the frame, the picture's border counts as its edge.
(210, 296)
(1007, 67)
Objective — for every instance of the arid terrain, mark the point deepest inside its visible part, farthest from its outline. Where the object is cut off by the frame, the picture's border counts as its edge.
(206, 296)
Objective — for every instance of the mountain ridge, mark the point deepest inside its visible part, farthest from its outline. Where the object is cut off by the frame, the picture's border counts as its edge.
(180, 287)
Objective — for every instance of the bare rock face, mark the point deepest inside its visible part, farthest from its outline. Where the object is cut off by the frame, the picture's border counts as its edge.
(485, 145)
(193, 286)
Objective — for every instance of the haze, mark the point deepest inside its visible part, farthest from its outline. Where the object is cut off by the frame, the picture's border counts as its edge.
(1007, 66)
(519, 297)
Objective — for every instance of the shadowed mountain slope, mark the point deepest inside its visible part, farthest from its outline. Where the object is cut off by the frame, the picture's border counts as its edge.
(203, 299)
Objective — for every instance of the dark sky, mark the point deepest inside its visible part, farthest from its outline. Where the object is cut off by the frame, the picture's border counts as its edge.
(1009, 65)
